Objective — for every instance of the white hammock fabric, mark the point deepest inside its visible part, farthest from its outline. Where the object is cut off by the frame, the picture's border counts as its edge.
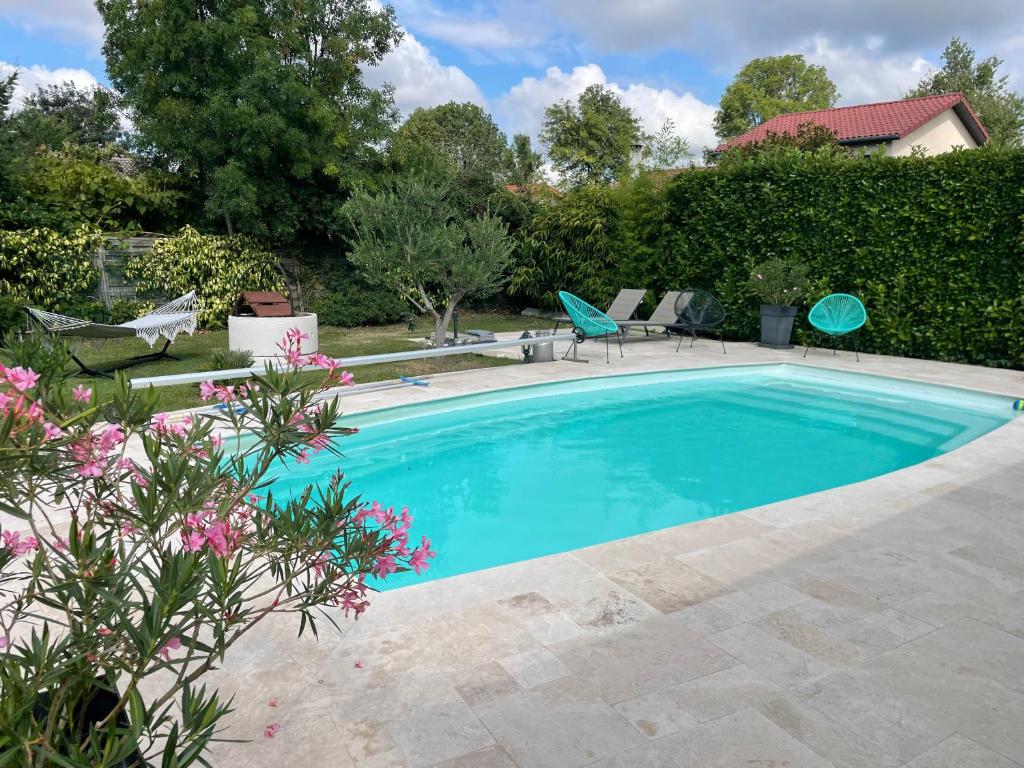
(174, 317)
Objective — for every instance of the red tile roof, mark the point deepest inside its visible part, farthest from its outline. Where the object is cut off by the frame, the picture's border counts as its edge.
(886, 120)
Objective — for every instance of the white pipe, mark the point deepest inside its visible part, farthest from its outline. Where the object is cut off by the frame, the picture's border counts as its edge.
(348, 362)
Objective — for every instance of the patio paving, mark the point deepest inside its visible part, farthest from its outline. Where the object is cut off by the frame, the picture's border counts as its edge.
(875, 625)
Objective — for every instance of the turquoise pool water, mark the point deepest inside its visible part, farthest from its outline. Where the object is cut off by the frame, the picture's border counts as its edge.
(507, 476)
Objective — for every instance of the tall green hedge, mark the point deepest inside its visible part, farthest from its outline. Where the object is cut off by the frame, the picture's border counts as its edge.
(46, 268)
(217, 268)
(933, 246)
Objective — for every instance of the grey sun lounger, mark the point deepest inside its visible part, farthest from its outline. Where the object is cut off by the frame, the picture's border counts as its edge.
(664, 316)
(622, 309)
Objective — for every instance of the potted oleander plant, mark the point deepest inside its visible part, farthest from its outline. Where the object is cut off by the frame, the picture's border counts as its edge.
(780, 284)
(137, 548)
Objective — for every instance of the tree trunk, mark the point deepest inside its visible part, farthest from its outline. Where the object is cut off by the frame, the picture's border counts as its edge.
(442, 323)
(227, 223)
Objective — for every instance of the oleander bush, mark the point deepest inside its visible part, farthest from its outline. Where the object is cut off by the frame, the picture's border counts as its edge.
(136, 550)
(46, 268)
(216, 267)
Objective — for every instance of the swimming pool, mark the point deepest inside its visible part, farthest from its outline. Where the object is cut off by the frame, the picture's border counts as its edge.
(504, 476)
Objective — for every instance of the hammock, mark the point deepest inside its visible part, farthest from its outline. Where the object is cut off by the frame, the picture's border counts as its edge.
(174, 317)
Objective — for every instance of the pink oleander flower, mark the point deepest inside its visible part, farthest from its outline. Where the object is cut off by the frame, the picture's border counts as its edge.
(192, 542)
(52, 431)
(418, 559)
(347, 378)
(358, 664)
(221, 538)
(105, 631)
(271, 729)
(295, 336)
(384, 566)
(21, 378)
(206, 390)
(3, 642)
(302, 457)
(171, 645)
(81, 393)
(17, 546)
(273, 702)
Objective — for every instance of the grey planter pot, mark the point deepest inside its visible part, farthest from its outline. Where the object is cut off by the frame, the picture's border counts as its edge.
(777, 326)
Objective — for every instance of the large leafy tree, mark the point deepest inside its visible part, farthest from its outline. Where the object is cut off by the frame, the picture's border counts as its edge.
(412, 239)
(521, 165)
(7, 83)
(1000, 109)
(665, 148)
(264, 104)
(463, 135)
(57, 114)
(771, 86)
(590, 140)
(458, 144)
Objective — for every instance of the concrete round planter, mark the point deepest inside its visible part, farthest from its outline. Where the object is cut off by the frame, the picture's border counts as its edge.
(777, 326)
(261, 335)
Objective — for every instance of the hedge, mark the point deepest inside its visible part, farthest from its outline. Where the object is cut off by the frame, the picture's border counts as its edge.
(45, 268)
(217, 268)
(933, 246)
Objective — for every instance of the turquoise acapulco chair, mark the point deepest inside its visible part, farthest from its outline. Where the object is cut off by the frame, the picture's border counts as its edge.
(837, 315)
(588, 323)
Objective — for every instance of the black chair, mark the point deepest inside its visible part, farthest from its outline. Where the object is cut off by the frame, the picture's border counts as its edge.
(698, 310)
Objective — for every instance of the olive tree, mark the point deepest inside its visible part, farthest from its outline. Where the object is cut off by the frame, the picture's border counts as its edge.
(411, 238)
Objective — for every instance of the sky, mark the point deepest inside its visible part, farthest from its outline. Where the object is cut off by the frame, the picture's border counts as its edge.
(666, 59)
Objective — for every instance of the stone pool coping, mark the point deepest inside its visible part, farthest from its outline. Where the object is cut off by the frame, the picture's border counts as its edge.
(875, 624)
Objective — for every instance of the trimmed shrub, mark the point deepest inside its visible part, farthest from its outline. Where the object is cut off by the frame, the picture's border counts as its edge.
(341, 296)
(931, 245)
(217, 268)
(45, 268)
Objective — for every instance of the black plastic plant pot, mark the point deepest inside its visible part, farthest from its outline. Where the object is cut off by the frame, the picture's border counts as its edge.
(100, 704)
(777, 326)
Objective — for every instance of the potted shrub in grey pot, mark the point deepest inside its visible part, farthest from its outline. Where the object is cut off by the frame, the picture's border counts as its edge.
(779, 284)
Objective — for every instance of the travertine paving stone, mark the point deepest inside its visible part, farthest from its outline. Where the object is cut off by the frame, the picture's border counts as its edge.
(959, 752)
(561, 724)
(655, 715)
(878, 625)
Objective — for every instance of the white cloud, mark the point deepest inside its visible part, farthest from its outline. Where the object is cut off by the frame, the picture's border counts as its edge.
(420, 80)
(31, 77)
(69, 19)
(864, 74)
(740, 28)
(521, 108)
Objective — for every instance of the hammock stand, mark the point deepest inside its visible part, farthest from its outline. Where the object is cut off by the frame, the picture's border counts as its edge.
(174, 317)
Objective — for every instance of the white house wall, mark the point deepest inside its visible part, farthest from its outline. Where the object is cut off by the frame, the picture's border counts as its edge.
(940, 134)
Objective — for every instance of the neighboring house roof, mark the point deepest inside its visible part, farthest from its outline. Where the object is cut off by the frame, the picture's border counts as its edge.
(870, 123)
(534, 188)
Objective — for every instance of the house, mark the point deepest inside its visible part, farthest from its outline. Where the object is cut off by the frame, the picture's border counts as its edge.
(935, 124)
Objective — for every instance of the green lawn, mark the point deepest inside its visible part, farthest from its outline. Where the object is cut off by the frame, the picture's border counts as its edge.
(195, 351)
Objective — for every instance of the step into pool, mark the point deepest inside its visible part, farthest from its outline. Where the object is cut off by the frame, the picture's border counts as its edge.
(504, 476)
